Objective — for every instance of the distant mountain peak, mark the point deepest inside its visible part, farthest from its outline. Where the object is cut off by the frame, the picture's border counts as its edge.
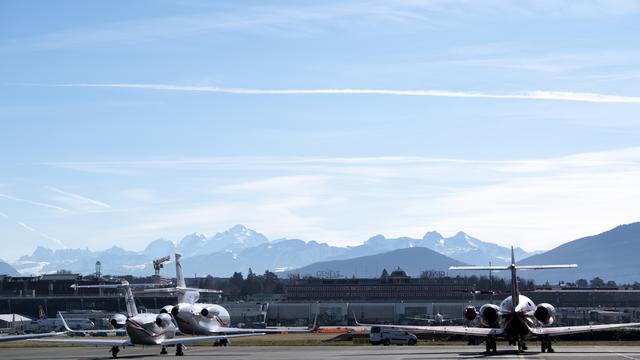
(375, 238)
(239, 228)
(241, 247)
(433, 237)
(196, 235)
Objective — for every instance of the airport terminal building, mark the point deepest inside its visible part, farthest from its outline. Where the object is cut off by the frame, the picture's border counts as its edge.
(397, 298)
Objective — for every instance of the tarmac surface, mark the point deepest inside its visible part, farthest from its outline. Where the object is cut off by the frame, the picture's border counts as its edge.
(323, 352)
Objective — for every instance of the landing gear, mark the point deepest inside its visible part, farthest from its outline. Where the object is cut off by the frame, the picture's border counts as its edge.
(545, 344)
(163, 351)
(490, 345)
(224, 342)
(114, 351)
(179, 350)
(522, 346)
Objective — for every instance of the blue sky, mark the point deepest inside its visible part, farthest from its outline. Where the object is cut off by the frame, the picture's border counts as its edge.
(122, 122)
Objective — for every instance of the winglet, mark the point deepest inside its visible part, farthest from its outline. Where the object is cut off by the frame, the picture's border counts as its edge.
(355, 319)
(314, 326)
(64, 323)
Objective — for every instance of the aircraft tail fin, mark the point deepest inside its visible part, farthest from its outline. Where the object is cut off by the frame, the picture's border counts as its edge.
(180, 283)
(41, 314)
(132, 310)
(514, 268)
(515, 294)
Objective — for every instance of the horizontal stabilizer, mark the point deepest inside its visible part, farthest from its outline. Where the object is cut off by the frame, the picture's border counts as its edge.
(182, 290)
(479, 268)
(518, 267)
(544, 267)
(102, 286)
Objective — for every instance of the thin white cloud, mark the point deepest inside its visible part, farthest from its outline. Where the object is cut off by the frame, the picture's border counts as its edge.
(279, 184)
(35, 203)
(383, 164)
(293, 20)
(534, 203)
(283, 20)
(48, 237)
(80, 198)
(525, 95)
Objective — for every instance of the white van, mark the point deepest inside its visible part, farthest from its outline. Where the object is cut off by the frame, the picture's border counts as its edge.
(388, 336)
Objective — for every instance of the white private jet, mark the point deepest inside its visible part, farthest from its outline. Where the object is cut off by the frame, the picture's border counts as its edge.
(206, 319)
(7, 338)
(142, 329)
(516, 319)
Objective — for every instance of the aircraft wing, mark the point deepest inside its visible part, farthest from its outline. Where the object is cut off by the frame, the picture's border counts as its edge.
(198, 339)
(93, 342)
(100, 332)
(230, 330)
(564, 330)
(267, 330)
(28, 336)
(454, 330)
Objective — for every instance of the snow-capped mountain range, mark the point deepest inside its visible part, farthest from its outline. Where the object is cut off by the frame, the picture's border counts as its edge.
(240, 248)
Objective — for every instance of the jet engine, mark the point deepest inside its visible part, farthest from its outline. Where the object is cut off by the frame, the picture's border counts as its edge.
(163, 320)
(489, 315)
(210, 311)
(470, 313)
(166, 309)
(545, 313)
(180, 308)
(118, 321)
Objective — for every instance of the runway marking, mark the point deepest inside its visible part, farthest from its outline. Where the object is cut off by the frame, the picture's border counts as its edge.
(621, 355)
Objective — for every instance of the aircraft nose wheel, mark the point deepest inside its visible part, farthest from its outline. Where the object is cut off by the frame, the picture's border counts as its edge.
(114, 351)
(163, 351)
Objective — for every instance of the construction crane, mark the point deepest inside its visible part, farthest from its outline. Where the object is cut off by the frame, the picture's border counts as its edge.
(157, 265)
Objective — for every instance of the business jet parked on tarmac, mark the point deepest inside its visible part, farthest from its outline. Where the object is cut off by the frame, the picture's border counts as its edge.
(202, 318)
(516, 319)
(142, 329)
(7, 338)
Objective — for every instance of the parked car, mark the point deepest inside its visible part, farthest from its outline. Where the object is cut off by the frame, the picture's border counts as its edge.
(388, 336)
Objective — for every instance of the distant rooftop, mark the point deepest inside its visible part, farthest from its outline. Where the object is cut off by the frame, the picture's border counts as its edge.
(61, 276)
